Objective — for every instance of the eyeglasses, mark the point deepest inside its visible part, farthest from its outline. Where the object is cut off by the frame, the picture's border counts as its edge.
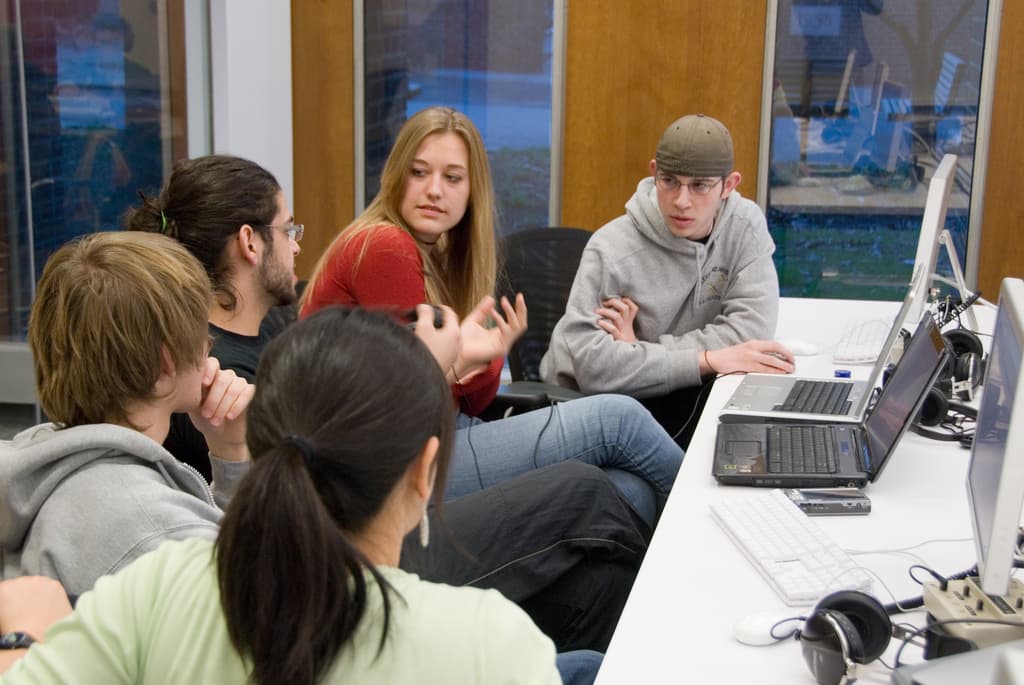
(293, 231)
(671, 184)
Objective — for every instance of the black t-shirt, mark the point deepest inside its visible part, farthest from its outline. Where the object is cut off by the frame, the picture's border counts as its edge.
(240, 353)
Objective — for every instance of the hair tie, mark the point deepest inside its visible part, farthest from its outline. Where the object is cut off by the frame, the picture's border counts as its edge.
(163, 222)
(304, 448)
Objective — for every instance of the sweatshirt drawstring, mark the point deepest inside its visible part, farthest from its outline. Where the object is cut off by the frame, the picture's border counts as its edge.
(700, 280)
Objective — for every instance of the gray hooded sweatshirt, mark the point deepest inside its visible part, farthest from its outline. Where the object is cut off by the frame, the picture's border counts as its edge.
(82, 502)
(692, 296)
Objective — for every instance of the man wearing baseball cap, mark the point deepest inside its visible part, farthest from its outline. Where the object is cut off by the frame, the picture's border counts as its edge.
(679, 289)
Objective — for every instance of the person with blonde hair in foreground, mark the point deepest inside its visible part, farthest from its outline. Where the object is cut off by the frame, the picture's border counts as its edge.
(118, 336)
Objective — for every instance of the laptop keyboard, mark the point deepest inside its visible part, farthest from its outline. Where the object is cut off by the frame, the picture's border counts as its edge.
(818, 397)
(801, 449)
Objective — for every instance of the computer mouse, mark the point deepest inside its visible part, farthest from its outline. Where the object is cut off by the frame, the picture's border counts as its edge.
(800, 348)
(756, 629)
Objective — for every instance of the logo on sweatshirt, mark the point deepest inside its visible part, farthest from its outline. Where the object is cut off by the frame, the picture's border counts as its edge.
(713, 284)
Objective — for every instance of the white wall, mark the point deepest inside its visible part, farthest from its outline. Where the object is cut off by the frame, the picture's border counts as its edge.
(251, 83)
(197, 79)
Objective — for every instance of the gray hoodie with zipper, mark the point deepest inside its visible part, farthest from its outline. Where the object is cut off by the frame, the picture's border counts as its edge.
(81, 502)
(692, 296)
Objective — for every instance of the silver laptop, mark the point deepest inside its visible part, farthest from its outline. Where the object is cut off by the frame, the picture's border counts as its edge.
(783, 398)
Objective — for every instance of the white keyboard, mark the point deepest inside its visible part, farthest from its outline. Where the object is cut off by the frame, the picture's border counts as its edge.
(793, 553)
(861, 342)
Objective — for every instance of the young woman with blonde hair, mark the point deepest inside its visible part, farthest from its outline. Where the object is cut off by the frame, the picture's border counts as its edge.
(429, 237)
(433, 245)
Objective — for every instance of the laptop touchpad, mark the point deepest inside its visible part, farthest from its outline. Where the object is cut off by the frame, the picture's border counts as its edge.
(745, 452)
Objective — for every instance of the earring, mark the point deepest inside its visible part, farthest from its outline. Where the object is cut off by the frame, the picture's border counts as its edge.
(424, 530)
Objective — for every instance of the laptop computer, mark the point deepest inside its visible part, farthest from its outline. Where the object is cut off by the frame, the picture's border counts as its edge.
(818, 455)
(784, 398)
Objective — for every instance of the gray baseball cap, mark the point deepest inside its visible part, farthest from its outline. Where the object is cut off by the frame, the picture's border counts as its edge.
(697, 146)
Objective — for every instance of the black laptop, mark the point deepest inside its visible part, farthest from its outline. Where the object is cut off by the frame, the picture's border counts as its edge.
(825, 454)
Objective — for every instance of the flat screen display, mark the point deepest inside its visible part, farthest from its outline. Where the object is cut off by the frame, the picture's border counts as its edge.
(932, 224)
(995, 476)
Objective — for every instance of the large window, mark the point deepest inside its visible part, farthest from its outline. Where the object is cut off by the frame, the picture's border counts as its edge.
(867, 97)
(85, 123)
(488, 59)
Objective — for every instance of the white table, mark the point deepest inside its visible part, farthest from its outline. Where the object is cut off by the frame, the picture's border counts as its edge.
(695, 584)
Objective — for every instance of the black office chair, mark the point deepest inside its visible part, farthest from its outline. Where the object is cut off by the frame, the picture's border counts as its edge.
(541, 263)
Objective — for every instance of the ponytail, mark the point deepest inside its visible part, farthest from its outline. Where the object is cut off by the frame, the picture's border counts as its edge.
(326, 457)
(292, 587)
(150, 217)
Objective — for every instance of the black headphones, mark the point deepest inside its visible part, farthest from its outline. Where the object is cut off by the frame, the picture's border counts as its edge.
(943, 411)
(944, 406)
(964, 372)
(845, 629)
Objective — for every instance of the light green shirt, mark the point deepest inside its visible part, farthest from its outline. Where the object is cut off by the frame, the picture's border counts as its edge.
(160, 621)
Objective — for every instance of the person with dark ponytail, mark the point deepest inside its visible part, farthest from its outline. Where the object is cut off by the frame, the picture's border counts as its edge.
(360, 461)
(302, 584)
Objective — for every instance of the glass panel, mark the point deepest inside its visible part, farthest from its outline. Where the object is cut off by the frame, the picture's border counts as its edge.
(85, 125)
(868, 95)
(490, 60)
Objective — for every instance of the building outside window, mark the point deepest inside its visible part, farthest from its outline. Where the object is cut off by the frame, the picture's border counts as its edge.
(867, 96)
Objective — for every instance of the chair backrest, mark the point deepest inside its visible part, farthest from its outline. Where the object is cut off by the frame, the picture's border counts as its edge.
(541, 263)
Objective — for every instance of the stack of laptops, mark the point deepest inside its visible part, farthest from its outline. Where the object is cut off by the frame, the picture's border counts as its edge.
(834, 453)
(774, 397)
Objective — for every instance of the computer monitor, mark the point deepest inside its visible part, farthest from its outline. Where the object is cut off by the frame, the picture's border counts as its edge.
(932, 225)
(90, 90)
(995, 475)
(891, 135)
(879, 79)
(844, 83)
(948, 82)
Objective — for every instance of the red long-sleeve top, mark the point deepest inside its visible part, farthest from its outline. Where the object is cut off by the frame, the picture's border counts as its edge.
(391, 274)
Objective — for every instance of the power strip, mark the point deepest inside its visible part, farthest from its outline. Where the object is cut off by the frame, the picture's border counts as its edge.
(963, 600)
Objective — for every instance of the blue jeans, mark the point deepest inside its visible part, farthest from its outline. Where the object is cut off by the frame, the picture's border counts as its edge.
(578, 667)
(613, 432)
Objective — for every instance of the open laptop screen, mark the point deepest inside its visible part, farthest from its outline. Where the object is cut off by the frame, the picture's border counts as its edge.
(903, 392)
